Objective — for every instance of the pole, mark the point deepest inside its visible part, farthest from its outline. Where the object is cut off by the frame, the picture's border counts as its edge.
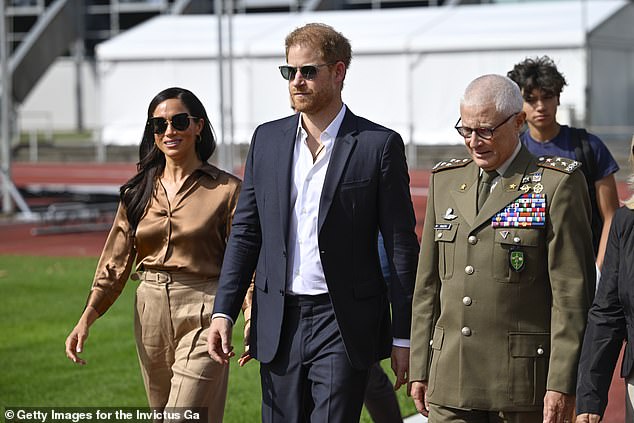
(230, 141)
(5, 133)
(221, 85)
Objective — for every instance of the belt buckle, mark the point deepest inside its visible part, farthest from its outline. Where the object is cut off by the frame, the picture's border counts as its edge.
(163, 277)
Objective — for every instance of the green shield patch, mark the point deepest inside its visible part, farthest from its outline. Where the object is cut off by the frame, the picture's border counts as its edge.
(516, 259)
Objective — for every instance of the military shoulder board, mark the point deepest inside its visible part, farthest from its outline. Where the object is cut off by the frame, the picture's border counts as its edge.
(450, 164)
(561, 164)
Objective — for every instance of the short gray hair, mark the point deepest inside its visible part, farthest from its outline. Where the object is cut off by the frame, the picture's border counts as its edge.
(497, 89)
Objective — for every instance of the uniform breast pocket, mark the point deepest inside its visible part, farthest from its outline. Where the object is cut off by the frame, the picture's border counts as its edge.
(516, 255)
(445, 237)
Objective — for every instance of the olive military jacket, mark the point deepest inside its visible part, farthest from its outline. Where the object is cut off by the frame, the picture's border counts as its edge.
(502, 296)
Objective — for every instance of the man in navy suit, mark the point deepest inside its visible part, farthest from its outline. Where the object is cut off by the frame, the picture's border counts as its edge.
(318, 187)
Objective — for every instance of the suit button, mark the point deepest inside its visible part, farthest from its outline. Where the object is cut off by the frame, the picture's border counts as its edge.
(540, 351)
(282, 292)
(466, 331)
(284, 254)
(473, 240)
(322, 252)
(469, 270)
(467, 301)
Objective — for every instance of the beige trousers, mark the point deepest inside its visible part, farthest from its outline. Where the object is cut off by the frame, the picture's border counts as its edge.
(172, 318)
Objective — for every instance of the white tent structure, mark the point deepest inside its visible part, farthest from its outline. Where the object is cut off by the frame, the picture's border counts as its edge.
(408, 71)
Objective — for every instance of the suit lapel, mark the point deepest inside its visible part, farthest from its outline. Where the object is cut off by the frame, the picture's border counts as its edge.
(507, 189)
(343, 146)
(284, 162)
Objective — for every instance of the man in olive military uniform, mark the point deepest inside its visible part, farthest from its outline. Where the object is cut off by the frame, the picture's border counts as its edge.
(505, 275)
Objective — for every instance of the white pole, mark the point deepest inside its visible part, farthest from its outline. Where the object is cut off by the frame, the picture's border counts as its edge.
(231, 139)
(5, 133)
(222, 158)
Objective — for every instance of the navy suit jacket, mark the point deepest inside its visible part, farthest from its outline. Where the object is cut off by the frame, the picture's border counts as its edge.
(366, 189)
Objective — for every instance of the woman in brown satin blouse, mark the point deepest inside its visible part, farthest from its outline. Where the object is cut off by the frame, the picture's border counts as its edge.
(173, 220)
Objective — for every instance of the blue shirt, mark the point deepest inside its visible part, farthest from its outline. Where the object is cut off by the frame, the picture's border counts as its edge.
(562, 146)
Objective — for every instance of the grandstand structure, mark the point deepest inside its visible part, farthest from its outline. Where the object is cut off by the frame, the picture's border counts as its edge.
(69, 64)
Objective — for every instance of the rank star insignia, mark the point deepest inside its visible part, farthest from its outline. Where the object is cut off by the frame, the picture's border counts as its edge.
(537, 188)
(512, 186)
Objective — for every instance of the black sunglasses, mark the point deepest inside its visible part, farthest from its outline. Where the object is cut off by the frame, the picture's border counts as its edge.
(309, 72)
(484, 133)
(180, 122)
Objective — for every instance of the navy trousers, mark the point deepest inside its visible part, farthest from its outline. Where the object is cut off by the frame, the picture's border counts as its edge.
(311, 379)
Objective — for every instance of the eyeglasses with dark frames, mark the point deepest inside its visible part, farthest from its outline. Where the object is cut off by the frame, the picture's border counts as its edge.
(180, 122)
(309, 72)
(484, 133)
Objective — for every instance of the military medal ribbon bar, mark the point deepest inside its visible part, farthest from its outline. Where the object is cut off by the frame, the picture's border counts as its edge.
(529, 210)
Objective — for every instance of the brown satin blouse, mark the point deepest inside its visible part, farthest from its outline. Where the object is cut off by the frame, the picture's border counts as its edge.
(188, 235)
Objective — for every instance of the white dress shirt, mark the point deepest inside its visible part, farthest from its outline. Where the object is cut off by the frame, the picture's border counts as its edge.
(305, 272)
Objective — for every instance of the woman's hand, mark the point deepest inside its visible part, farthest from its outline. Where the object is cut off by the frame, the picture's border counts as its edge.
(77, 337)
(75, 343)
(246, 356)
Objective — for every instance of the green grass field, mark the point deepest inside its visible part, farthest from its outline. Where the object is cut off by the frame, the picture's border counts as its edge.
(42, 300)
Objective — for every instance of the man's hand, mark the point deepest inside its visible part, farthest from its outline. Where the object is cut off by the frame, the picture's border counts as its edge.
(558, 407)
(588, 418)
(419, 394)
(400, 365)
(219, 340)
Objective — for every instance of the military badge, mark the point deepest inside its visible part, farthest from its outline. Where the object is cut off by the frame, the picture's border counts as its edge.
(449, 214)
(537, 188)
(516, 259)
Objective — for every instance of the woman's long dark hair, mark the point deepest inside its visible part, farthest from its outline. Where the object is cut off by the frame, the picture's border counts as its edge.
(136, 193)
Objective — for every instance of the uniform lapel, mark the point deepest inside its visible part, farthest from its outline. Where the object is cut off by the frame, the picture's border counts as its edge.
(466, 191)
(343, 145)
(507, 189)
(284, 164)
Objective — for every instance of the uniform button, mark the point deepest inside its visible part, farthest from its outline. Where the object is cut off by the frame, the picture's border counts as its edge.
(516, 240)
(439, 235)
(467, 301)
(473, 240)
(468, 270)
(322, 252)
(540, 351)
(431, 342)
(466, 331)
